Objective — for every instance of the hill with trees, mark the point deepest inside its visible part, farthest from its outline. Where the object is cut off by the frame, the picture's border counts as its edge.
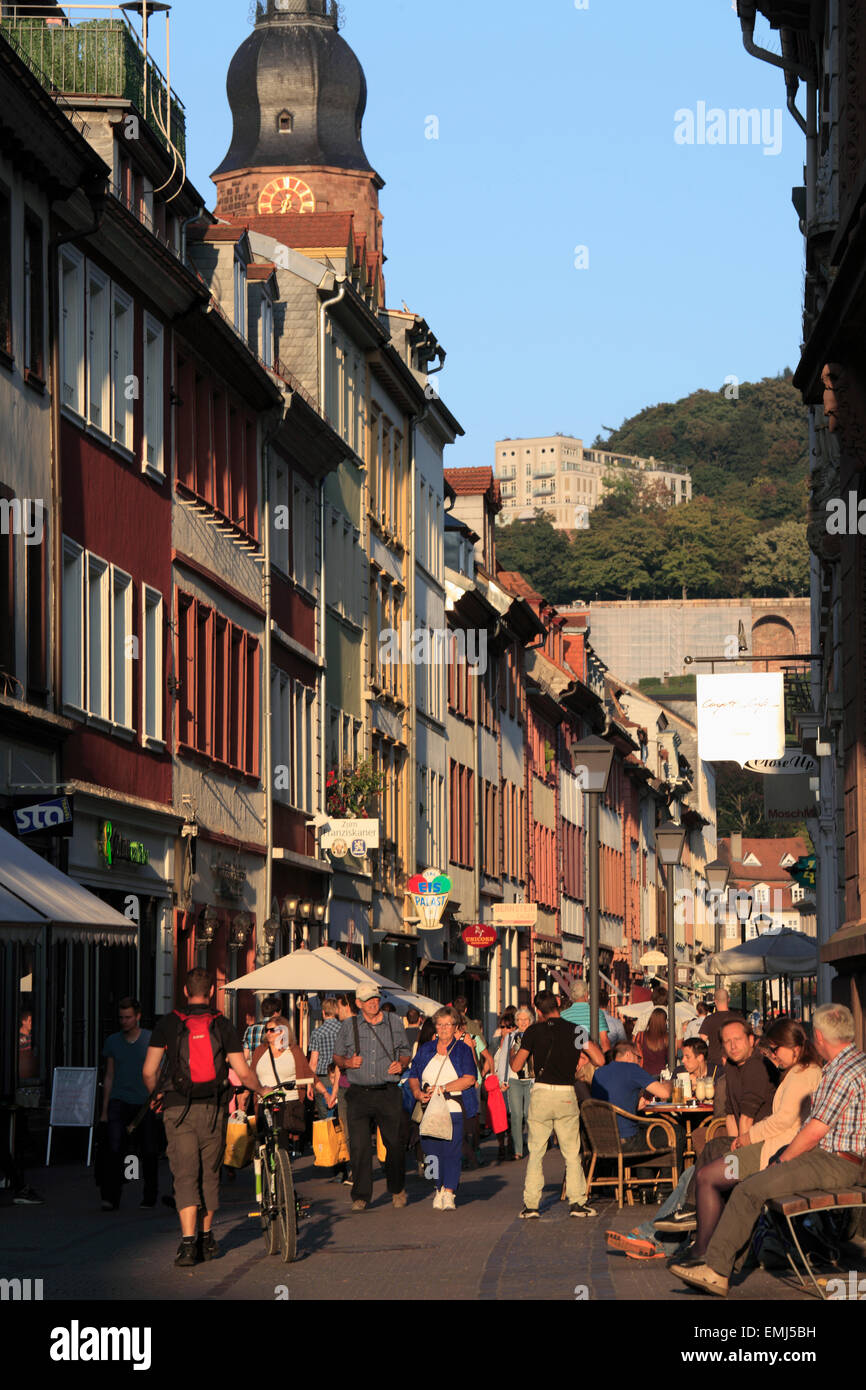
(743, 534)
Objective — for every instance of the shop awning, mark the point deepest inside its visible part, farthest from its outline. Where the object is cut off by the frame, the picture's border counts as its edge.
(33, 895)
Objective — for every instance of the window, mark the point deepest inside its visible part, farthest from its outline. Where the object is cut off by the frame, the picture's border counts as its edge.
(218, 698)
(240, 297)
(6, 343)
(122, 366)
(304, 536)
(152, 663)
(98, 349)
(122, 648)
(304, 779)
(280, 512)
(98, 637)
(37, 620)
(7, 589)
(285, 123)
(154, 396)
(798, 893)
(72, 329)
(34, 298)
(267, 331)
(73, 624)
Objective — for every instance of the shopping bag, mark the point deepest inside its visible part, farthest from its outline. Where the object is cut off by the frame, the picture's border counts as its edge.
(342, 1146)
(496, 1105)
(240, 1140)
(326, 1144)
(436, 1120)
(381, 1151)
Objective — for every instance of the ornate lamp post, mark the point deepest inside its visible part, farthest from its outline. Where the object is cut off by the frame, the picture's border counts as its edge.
(718, 876)
(670, 842)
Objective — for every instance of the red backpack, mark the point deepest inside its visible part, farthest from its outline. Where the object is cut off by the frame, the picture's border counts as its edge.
(199, 1068)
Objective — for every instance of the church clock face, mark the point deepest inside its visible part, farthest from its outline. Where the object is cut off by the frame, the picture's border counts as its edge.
(286, 194)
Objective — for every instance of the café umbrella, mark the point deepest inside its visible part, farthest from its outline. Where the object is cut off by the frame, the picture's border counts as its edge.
(654, 960)
(767, 956)
(641, 1013)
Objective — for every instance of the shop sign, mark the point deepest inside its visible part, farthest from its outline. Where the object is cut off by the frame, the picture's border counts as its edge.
(51, 817)
(116, 849)
(480, 935)
(430, 892)
(741, 717)
(515, 914)
(355, 837)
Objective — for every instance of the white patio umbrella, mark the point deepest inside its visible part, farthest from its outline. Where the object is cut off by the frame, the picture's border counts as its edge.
(641, 1012)
(771, 954)
(402, 999)
(301, 972)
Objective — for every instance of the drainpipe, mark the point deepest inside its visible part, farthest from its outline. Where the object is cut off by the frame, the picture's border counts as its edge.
(323, 405)
(748, 13)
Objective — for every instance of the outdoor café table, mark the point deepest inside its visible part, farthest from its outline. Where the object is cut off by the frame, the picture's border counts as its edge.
(687, 1113)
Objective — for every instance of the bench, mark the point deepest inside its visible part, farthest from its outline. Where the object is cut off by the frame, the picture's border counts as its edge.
(801, 1204)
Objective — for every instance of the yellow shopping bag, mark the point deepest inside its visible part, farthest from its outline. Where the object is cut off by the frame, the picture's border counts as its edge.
(326, 1143)
(240, 1140)
(381, 1151)
(343, 1149)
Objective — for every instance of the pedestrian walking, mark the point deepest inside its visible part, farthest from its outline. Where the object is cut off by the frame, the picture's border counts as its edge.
(445, 1067)
(194, 1049)
(578, 1013)
(554, 1046)
(519, 1088)
(371, 1050)
(322, 1051)
(125, 1103)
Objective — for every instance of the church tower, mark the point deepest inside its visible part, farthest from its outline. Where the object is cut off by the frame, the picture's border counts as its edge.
(298, 95)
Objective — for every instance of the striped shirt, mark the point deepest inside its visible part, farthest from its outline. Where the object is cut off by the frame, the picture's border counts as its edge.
(254, 1037)
(840, 1102)
(322, 1041)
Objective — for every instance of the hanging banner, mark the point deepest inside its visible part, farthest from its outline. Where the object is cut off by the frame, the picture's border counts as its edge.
(741, 717)
(356, 837)
(515, 914)
(789, 798)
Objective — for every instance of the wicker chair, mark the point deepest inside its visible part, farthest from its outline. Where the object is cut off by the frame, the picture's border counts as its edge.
(603, 1136)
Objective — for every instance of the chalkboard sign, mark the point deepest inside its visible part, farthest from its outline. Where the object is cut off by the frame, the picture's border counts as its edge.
(73, 1102)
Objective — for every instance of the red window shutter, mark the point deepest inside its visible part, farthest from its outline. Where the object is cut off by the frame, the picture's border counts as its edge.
(236, 467)
(203, 455)
(184, 417)
(204, 679)
(220, 689)
(222, 490)
(185, 670)
(236, 698)
(251, 759)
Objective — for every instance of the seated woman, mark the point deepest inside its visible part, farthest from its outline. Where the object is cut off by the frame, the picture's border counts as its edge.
(279, 1062)
(791, 1050)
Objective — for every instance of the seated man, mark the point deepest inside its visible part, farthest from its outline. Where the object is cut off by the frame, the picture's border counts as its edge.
(622, 1082)
(828, 1153)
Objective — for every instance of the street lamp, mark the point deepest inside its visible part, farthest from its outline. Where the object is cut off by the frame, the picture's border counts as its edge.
(670, 842)
(743, 904)
(718, 876)
(593, 757)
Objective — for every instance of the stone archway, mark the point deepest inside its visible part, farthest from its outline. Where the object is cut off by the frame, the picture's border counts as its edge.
(772, 634)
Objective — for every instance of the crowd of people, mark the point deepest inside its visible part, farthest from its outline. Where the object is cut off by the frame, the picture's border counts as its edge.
(793, 1102)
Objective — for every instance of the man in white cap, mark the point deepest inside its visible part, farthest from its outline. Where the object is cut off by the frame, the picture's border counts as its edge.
(371, 1049)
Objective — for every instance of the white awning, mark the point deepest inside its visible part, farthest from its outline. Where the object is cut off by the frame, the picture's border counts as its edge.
(33, 895)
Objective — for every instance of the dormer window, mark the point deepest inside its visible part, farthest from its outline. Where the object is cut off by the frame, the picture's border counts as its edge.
(240, 296)
(285, 123)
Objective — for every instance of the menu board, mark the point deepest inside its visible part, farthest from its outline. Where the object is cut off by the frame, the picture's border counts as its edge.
(73, 1097)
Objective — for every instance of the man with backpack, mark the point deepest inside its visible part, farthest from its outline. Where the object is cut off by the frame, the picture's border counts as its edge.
(186, 1068)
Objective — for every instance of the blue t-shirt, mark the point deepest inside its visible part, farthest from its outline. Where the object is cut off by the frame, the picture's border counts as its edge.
(621, 1083)
(128, 1062)
(579, 1014)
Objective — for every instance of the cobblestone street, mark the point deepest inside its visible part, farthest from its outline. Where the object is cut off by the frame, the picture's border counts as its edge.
(483, 1249)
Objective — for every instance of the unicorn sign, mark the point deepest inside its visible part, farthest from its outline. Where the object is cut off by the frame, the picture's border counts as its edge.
(430, 892)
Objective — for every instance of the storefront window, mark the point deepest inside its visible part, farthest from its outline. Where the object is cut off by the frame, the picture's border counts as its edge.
(27, 1051)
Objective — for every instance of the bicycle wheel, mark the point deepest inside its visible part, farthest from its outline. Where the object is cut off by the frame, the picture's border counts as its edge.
(287, 1216)
(269, 1221)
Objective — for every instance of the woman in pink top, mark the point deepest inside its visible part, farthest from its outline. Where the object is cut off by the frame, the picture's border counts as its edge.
(792, 1052)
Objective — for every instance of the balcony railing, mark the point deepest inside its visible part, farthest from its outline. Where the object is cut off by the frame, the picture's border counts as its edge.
(96, 58)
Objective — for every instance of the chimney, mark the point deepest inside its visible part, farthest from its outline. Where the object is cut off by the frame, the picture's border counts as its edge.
(736, 849)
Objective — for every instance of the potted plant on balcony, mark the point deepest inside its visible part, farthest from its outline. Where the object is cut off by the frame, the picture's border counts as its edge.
(349, 792)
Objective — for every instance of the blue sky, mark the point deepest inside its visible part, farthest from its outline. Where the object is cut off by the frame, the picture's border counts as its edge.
(556, 130)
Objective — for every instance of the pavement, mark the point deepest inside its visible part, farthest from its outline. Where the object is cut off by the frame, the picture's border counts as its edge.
(481, 1249)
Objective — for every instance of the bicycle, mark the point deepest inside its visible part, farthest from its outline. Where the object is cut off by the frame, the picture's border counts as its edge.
(275, 1186)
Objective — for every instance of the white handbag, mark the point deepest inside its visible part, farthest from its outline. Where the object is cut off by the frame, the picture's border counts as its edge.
(436, 1120)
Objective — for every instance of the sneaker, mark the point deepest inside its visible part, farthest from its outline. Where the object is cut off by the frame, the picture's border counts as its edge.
(437, 1199)
(209, 1246)
(359, 1205)
(530, 1214)
(680, 1222)
(631, 1244)
(399, 1199)
(348, 1181)
(28, 1198)
(448, 1202)
(581, 1209)
(187, 1252)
